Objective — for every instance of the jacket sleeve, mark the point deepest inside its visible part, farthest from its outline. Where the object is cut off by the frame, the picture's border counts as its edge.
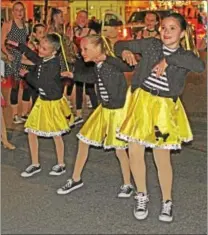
(119, 64)
(135, 46)
(32, 79)
(187, 60)
(31, 55)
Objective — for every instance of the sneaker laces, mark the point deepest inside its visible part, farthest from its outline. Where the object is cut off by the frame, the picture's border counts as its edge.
(141, 201)
(30, 167)
(166, 207)
(125, 187)
(68, 184)
(57, 167)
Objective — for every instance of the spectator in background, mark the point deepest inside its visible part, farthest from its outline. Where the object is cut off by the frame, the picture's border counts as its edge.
(4, 138)
(95, 25)
(15, 30)
(68, 54)
(152, 22)
(84, 72)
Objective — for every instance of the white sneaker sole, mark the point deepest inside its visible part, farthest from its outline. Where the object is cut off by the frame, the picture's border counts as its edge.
(57, 173)
(61, 192)
(26, 175)
(141, 217)
(18, 122)
(123, 195)
(76, 123)
(165, 218)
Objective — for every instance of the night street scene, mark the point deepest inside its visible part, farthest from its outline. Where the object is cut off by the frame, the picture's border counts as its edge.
(103, 117)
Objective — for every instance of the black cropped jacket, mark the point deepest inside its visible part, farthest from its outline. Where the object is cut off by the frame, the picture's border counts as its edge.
(179, 63)
(112, 76)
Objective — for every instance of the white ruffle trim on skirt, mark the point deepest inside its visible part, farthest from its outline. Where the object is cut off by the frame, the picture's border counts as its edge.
(98, 144)
(150, 145)
(46, 134)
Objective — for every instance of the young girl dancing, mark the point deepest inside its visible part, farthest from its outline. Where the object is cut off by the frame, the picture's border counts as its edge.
(50, 116)
(100, 129)
(156, 117)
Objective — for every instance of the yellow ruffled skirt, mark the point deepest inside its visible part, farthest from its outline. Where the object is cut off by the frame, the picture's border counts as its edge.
(49, 118)
(155, 122)
(100, 128)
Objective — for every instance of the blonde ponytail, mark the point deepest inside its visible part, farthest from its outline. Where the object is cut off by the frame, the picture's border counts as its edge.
(188, 41)
(107, 47)
(63, 51)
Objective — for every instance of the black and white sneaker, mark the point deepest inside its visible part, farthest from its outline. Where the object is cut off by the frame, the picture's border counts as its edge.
(166, 214)
(126, 191)
(78, 120)
(24, 118)
(31, 170)
(58, 170)
(17, 120)
(140, 209)
(70, 186)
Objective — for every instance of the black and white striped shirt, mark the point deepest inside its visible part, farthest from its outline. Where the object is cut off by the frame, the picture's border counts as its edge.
(100, 86)
(160, 83)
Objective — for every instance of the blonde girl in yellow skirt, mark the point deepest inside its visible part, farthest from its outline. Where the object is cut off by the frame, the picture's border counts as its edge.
(100, 129)
(155, 116)
(50, 116)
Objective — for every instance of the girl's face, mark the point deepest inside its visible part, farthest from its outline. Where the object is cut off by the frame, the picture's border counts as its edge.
(150, 21)
(82, 19)
(18, 12)
(171, 32)
(45, 49)
(90, 52)
(59, 18)
(40, 33)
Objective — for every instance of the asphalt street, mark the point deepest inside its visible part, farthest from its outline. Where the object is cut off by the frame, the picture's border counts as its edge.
(31, 206)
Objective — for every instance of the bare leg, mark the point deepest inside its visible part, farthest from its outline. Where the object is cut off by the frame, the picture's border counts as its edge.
(33, 143)
(59, 143)
(25, 107)
(14, 110)
(165, 173)
(138, 166)
(4, 133)
(125, 167)
(81, 159)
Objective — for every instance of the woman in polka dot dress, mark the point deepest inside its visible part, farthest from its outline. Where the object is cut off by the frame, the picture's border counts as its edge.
(14, 30)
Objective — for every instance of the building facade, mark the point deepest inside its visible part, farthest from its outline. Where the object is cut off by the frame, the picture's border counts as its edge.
(97, 8)
(35, 9)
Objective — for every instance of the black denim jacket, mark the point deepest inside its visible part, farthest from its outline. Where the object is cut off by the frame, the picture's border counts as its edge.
(179, 63)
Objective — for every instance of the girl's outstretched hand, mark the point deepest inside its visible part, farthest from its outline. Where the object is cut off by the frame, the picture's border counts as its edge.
(129, 57)
(160, 68)
(12, 43)
(67, 74)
